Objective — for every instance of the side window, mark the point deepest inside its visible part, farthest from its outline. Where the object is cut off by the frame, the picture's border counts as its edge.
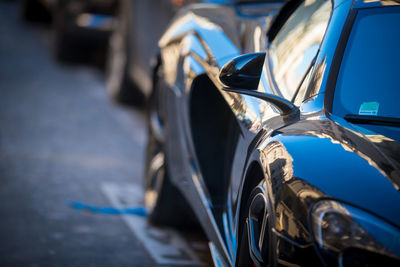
(296, 44)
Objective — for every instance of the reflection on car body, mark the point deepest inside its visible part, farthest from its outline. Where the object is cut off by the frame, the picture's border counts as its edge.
(304, 168)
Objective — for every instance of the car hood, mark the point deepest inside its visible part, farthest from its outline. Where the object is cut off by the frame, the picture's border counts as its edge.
(347, 163)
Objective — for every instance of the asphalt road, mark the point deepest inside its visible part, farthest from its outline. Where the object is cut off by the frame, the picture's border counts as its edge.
(63, 141)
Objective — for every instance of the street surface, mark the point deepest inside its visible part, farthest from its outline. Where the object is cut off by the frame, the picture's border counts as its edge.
(68, 155)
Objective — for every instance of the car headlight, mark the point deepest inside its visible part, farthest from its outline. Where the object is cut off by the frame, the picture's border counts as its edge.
(338, 227)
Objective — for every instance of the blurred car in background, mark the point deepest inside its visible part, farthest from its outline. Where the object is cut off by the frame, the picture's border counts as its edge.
(133, 45)
(81, 28)
(281, 133)
(35, 10)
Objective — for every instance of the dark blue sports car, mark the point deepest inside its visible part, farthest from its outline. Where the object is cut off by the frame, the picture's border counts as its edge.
(280, 131)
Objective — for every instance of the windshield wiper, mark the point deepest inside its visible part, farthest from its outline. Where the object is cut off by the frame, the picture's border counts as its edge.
(374, 120)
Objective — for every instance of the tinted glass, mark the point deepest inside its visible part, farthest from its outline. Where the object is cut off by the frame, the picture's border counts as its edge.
(297, 43)
(368, 82)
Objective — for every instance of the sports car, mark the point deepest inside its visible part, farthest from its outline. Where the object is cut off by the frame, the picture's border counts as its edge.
(278, 132)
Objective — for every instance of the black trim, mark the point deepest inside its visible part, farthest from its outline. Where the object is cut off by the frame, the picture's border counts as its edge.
(372, 120)
(337, 59)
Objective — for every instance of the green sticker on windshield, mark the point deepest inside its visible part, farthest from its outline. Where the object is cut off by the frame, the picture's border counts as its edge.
(369, 108)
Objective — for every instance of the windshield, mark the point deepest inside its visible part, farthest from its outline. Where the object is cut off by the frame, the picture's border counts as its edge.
(368, 83)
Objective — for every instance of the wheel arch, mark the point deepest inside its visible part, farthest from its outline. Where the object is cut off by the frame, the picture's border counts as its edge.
(254, 176)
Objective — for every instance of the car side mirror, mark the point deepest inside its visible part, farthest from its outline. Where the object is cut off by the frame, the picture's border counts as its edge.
(243, 71)
(242, 74)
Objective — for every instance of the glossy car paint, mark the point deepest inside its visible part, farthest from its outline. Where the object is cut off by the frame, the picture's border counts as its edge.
(302, 160)
(200, 41)
(144, 27)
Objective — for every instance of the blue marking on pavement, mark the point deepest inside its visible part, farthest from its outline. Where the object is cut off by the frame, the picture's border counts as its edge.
(140, 211)
(99, 21)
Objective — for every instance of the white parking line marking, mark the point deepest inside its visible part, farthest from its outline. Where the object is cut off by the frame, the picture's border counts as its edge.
(165, 246)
